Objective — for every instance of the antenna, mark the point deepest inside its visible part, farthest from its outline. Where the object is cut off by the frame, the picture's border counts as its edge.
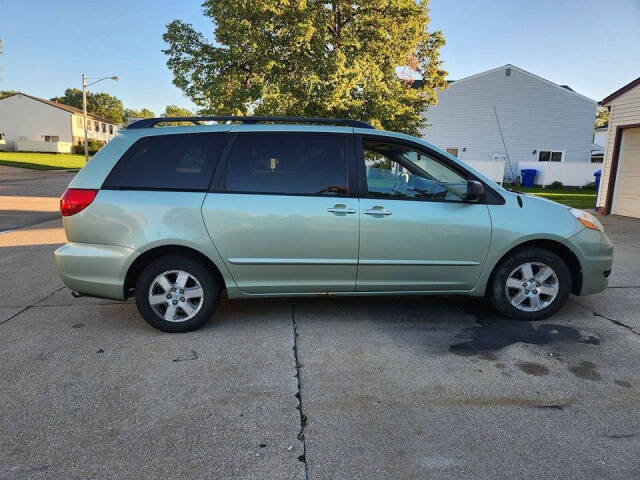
(515, 179)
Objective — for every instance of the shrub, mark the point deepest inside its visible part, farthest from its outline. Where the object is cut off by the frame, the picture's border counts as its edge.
(94, 146)
(556, 184)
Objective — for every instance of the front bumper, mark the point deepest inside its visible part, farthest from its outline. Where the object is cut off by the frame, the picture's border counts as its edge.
(595, 252)
(94, 270)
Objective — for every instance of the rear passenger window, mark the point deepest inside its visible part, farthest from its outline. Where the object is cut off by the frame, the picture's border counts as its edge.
(172, 162)
(285, 163)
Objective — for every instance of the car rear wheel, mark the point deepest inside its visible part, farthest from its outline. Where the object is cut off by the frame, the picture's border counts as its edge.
(176, 293)
(531, 284)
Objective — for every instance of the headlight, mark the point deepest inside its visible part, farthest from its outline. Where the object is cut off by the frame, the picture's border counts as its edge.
(586, 219)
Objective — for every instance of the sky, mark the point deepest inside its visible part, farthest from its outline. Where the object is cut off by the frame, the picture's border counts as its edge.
(590, 45)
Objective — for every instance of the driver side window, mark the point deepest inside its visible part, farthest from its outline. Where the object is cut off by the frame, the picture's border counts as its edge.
(396, 171)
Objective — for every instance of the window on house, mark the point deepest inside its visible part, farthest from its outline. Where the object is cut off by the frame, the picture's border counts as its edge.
(104, 128)
(79, 122)
(88, 124)
(97, 126)
(110, 129)
(453, 151)
(550, 156)
(51, 138)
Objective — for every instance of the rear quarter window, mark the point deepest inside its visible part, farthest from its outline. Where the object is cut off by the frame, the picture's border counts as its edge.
(168, 162)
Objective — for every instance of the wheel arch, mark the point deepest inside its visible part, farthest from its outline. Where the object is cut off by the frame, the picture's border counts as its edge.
(152, 254)
(554, 246)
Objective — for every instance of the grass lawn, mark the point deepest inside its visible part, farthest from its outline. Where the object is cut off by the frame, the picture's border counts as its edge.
(42, 161)
(574, 197)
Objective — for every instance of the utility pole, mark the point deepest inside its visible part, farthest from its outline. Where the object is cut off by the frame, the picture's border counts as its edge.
(84, 109)
(84, 115)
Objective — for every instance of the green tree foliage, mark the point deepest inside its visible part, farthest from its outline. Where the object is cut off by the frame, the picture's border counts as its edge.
(7, 93)
(333, 58)
(99, 103)
(133, 113)
(175, 111)
(602, 116)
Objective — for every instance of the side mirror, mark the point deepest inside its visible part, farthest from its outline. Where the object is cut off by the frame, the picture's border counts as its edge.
(475, 192)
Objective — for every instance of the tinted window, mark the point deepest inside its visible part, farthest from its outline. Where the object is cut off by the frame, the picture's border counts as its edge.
(289, 164)
(181, 162)
(400, 172)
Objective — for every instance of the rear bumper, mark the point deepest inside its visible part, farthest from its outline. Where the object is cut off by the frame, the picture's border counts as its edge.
(595, 252)
(94, 270)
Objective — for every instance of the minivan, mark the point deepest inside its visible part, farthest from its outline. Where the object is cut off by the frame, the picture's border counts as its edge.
(278, 206)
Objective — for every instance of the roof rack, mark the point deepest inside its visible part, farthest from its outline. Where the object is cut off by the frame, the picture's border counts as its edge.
(151, 122)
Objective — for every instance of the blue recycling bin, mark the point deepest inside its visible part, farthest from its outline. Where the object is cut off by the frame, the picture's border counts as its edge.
(528, 176)
(597, 175)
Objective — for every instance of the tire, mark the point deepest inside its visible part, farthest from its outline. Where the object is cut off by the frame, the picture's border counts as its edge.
(552, 292)
(185, 310)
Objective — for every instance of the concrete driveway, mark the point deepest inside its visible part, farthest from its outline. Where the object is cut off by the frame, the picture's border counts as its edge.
(355, 388)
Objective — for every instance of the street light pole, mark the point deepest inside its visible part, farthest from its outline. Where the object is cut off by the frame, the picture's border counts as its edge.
(84, 115)
(84, 109)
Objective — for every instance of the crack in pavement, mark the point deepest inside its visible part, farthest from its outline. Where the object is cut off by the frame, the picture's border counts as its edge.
(303, 417)
(32, 305)
(612, 320)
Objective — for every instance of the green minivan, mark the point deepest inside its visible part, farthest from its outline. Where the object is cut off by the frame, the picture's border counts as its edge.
(278, 206)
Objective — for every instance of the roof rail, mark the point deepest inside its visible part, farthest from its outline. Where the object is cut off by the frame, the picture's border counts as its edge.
(151, 122)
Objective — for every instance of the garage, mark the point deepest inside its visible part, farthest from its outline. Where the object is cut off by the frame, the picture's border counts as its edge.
(619, 192)
(626, 193)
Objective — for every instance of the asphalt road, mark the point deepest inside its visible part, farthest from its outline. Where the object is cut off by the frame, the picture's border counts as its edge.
(404, 387)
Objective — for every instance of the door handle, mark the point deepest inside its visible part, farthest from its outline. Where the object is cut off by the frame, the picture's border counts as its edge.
(340, 209)
(377, 211)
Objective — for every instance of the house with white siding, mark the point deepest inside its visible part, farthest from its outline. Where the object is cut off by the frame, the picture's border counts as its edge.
(510, 114)
(33, 124)
(619, 191)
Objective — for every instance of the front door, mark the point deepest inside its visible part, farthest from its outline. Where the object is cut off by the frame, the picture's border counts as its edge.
(286, 221)
(417, 232)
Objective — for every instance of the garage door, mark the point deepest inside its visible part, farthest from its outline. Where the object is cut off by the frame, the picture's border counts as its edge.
(626, 199)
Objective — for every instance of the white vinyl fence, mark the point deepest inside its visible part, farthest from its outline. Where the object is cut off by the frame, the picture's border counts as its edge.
(35, 146)
(569, 173)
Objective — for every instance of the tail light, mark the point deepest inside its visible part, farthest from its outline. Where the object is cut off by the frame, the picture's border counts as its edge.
(75, 200)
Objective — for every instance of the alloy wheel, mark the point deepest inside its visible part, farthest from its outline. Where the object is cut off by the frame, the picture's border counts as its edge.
(176, 296)
(532, 286)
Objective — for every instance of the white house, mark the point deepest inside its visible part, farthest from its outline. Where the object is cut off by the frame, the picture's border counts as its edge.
(34, 124)
(619, 191)
(508, 111)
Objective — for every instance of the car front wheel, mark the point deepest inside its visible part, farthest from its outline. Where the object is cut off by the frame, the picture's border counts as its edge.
(176, 293)
(532, 284)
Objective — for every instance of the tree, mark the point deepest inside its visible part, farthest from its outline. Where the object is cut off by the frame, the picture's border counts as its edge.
(99, 103)
(175, 111)
(602, 116)
(333, 58)
(133, 113)
(7, 93)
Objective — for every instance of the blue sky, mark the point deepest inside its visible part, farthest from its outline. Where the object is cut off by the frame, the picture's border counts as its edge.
(590, 45)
